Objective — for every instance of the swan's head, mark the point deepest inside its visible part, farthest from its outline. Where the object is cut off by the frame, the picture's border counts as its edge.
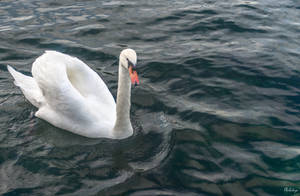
(128, 60)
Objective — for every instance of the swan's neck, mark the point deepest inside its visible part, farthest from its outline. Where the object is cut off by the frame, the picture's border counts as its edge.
(123, 126)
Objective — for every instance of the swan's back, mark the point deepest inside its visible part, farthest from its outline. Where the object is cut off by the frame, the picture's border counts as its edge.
(54, 69)
(75, 96)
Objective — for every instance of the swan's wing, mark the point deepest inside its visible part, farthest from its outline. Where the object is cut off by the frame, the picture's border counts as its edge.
(72, 91)
(28, 86)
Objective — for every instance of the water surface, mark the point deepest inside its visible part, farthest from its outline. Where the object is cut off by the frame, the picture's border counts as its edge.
(217, 111)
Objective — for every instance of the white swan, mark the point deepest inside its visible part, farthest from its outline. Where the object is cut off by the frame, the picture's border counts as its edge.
(71, 96)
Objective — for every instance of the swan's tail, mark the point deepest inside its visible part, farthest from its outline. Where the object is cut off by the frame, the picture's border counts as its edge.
(28, 86)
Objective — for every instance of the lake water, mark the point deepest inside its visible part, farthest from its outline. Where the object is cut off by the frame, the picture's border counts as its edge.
(217, 111)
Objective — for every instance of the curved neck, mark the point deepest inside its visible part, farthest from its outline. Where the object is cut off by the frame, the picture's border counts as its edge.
(123, 126)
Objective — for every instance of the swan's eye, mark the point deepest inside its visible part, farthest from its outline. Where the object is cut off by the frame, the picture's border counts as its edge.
(130, 64)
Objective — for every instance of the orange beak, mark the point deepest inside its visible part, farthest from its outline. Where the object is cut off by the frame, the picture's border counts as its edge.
(134, 76)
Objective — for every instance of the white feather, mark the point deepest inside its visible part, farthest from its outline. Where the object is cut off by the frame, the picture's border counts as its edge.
(28, 86)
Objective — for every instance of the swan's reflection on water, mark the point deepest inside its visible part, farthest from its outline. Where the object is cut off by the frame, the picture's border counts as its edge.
(103, 163)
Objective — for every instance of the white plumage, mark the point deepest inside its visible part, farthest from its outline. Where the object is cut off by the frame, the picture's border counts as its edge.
(71, 96)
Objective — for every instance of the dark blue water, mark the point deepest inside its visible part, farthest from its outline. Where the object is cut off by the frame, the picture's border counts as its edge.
(217, 111)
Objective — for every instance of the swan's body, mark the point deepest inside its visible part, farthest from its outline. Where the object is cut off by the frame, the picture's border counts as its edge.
(71, 96)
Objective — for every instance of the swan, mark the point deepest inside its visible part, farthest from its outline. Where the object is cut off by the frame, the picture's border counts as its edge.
(73, 97)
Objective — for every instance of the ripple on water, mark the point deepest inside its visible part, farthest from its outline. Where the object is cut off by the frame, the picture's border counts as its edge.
(217, 111)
